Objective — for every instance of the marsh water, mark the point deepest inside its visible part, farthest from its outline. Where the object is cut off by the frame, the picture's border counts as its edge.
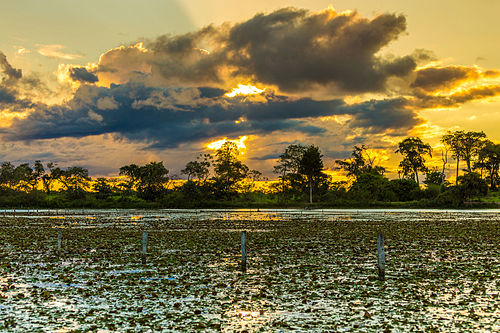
(307, 270)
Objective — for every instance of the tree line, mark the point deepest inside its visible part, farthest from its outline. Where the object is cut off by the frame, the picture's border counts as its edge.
(222, 178)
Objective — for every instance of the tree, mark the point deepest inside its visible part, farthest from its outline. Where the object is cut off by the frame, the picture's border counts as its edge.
(7, 174)
(74, 179)
(464, 145)
(453, 141)
(49, 178)
(489, 159)
(311, 165)
(471, 185)
(38, 173)
(149, 180)
(434, 177)
(132, 172)
(102, 188)
(199, 169)
(471, 143)
(405, 189)
(27, 178)
(413, 151)
(371, 186)
(153, 177)
(444, 159)
(288, 165)
(359, 163)
(22, 177)
(228, 169)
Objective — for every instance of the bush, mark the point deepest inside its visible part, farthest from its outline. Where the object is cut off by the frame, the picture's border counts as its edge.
(405, 189)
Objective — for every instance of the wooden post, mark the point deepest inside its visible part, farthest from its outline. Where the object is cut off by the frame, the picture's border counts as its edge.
(59, 241)
(381, 257)
(244, 251)
(144, 246)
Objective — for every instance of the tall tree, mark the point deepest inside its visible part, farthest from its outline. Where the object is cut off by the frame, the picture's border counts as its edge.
(311, 165)
(288, 164)
(50, 177)
(74, 179)
(132, 172)
(489, 159)
(38, 173)
(7, 174)
(153, 179)
(359, 163)
(229, 170)
(413, 151)
(444, 159)
(22, 177)
(102, 188)
(472, 142)
(464, 146)
(453, 141)
(199, 169)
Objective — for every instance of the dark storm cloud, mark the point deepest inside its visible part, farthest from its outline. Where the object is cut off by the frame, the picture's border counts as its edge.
(378, 116)
(11, 72)
(184, 57)
(291, 48)
(294, 49)
(164, 126)
(273, 156)
(81, 74)
(16, 90)
(8, 93)
(7, 96)
(436, 78)
(457, 99)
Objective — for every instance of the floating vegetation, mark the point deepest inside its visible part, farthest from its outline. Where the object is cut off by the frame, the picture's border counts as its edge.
(306, 271)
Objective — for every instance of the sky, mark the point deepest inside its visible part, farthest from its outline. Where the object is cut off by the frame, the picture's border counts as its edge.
(102, 84)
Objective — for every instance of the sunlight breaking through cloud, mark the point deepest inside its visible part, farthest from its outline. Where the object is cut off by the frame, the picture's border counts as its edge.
(244, 90)
(240, 143)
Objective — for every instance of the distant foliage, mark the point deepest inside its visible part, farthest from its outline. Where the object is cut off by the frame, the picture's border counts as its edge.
(222, 179)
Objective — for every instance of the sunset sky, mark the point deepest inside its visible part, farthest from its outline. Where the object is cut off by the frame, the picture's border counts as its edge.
(102, 84)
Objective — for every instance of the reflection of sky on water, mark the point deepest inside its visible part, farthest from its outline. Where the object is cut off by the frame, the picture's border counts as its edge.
(307, 270)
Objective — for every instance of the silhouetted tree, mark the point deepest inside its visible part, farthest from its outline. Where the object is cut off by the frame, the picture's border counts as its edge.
(7, 174)
(471, 185)
(311, 166)
(102, 188)
(489, 159)
(359, 163)
(132, 172)
(22, 177)
(49, 178)
(153, 179)
(228, 169)
(434, 177)
(74, 179)
(465, 146)
(413, 151)
(199, 169)
(288, 166)
(472, 143)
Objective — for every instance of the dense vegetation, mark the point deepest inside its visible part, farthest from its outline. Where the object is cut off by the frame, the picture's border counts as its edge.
(223, 180)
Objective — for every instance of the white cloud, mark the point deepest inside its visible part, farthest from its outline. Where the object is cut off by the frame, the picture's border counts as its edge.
(54, 51)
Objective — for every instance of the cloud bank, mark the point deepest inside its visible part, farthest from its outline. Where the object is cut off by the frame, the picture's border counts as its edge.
(172, 91)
